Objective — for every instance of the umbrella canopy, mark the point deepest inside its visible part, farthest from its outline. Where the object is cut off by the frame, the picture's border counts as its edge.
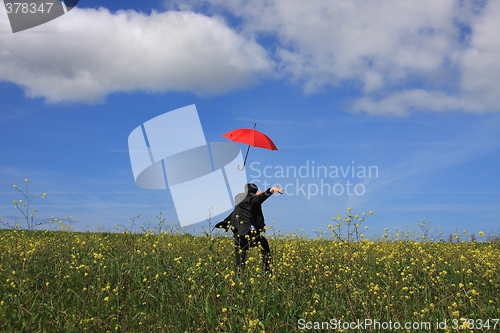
(251, 137)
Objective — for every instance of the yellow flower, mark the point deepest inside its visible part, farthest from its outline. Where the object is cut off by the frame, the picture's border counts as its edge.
(106, 298)
(481, 233)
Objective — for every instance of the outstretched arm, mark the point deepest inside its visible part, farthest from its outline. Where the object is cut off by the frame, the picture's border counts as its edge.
(263, 195)
(276, 189)
(224, 224)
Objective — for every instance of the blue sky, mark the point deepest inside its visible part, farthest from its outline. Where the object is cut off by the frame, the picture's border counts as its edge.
(411, 89)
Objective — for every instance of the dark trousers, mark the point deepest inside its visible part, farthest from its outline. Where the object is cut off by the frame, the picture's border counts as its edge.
(243, 243)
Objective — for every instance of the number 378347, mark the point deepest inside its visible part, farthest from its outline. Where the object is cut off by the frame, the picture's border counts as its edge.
(25, 7)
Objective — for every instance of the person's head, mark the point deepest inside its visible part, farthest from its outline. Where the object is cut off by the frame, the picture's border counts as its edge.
(251, 188)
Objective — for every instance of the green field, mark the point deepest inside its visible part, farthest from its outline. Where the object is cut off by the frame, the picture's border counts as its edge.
(172, 282)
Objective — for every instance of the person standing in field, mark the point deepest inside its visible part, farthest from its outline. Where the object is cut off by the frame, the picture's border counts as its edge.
(247, 223)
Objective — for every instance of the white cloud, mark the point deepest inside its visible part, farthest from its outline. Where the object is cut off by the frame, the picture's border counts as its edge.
(402, 103)
(324, 42)
(94, 52)
(480, 63)
(478, 80)
(403, 56)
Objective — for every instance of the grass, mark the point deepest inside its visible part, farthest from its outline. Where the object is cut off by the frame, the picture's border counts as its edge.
(169, 282)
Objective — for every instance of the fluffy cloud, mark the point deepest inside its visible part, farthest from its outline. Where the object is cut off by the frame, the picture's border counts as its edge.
(91, 53)
(402, 103)
(402, 56)
(474, 78)
(325, 42)
(480, 63)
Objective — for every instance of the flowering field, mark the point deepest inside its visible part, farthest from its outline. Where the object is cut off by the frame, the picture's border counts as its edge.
(168, 282)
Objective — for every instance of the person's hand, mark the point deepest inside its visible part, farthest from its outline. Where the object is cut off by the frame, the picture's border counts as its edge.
(276, 189)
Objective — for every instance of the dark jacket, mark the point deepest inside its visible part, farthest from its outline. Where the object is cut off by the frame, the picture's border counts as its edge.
(247, 213)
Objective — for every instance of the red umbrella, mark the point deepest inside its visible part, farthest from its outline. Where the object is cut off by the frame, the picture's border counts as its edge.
(251, 137)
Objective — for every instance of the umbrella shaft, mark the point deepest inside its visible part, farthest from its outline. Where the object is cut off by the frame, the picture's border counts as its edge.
(245, 162)
(248, 149)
